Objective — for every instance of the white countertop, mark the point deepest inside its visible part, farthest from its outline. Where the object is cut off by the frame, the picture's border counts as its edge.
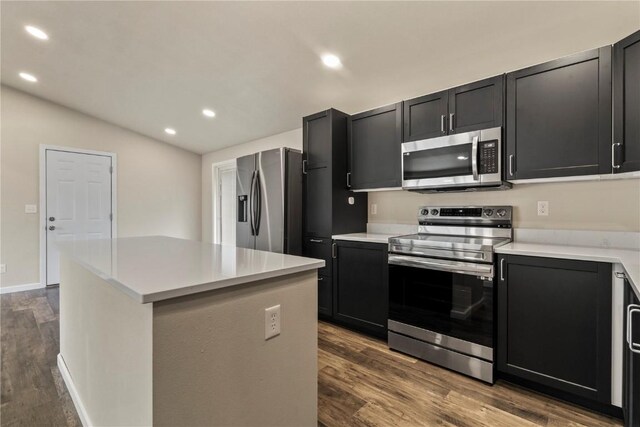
(365, 237)
(157, 268)
(629, 259)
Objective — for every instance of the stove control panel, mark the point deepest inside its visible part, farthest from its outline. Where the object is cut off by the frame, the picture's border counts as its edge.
(427, 213)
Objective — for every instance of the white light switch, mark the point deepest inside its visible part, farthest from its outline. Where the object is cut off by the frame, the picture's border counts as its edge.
(543, 208)
(3, 268)
(30, 208)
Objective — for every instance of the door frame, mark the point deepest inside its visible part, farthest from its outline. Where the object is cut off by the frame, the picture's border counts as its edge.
(215, 206)
(43, 198)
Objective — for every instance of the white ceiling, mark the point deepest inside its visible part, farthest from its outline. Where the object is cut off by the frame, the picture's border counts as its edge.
(150, 65)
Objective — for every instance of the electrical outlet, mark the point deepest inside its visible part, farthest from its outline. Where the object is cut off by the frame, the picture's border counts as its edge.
(3, 268)
(271, 322)
(374, 208)
(31, 209)
(543, 208)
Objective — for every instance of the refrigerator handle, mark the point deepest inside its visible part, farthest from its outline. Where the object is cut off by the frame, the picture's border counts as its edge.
(258, 203)
(251, 203)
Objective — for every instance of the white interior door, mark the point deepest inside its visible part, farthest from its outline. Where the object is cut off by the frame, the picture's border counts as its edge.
(226, 206)
(78, 197)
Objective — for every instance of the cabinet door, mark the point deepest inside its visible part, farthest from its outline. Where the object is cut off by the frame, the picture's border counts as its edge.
(631, 398)
(626, 102)
(425, 117)
(476, 106)
(361, 286)
(554, 324)
(559, 117)
(319, 248)
(375, 139)
(316, 140)
(325, 296)
(317, 202)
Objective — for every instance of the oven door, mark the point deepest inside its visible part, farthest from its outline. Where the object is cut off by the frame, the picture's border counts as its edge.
(464, 160)
(447, 303)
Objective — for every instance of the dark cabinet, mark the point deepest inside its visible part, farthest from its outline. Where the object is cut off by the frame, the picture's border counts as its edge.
(554, 325)
(360, 276)
(426, 116)
(474, 106)
(626, 104)
(559, 117)
(375, 139)
(317, 131)
(328, 207)
(631, 395)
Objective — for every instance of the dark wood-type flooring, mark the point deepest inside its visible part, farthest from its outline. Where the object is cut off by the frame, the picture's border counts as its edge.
(360, 381)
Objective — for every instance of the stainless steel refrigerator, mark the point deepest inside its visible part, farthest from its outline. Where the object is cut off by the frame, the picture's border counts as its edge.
(269, 201)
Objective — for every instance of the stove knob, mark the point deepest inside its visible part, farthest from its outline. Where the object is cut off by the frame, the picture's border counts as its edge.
(488, 212)
(424, 212)
(434, 211)
(501, 212)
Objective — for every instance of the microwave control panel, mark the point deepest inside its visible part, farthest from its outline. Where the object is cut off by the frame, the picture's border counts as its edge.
(488, 157)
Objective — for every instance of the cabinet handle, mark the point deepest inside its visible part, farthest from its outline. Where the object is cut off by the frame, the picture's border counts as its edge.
(510, 164)
(320, 279)
(316, 240)
(304, 167)
(613, 155)
(502, 269)
(632, 308)
(334, 250)
(442, 124)
(451, 117)
(348, 179)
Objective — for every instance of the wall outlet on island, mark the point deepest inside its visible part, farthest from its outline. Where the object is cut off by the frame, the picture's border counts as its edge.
(543, 208)
(271, 322)
(3, 268)
(374, 208)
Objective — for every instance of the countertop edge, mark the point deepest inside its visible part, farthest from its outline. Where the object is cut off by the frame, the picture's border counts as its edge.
(190, 289)
(569, 252)
(360, 237)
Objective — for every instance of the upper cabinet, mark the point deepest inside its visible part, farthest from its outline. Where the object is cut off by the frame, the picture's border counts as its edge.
(559, 117)
(375, 139)
(317, 146)
(626, 105)
(474, 106)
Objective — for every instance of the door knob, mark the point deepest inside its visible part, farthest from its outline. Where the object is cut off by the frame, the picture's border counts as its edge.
(51, 218)
(52, 227)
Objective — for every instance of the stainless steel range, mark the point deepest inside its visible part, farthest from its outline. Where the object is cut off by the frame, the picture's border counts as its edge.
(441, 287)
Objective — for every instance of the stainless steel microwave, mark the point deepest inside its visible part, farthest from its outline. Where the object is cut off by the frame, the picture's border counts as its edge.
(466, 161)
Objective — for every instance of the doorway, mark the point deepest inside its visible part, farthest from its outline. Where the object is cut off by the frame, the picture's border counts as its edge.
(224, 203)
(77, 200)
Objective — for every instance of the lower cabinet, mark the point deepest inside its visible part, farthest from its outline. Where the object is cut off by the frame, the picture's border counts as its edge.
(360, 288)
(554, 325)
(325, 296)
(631, 395)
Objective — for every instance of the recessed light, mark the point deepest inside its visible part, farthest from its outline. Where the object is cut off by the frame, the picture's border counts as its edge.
(208, 113)
(331, 61)
(170, 131)
(36, 32)
(28, 77)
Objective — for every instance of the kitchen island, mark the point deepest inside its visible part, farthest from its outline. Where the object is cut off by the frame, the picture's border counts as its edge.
(164, 331)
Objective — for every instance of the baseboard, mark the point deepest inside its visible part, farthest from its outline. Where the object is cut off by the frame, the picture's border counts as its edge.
(20, 288)
(75, 397)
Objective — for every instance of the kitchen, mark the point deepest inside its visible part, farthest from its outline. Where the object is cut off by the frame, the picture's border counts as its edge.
(477, 236)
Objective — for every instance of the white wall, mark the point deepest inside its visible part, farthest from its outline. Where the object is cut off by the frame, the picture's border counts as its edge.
(158, 184)
(291, 139)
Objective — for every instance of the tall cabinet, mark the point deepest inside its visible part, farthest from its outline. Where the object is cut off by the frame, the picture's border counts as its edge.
(328, 206)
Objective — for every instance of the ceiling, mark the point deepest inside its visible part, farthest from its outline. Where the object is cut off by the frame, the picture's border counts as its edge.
(150, 65)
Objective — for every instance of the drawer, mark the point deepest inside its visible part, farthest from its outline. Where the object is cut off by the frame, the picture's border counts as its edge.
(320, 248)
